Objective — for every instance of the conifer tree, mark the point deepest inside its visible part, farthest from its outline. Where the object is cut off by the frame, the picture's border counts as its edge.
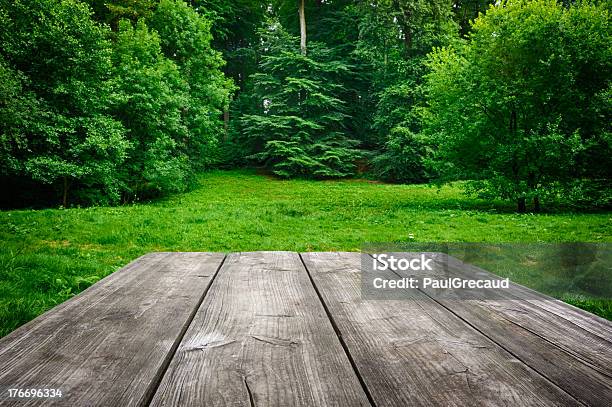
(300, 127)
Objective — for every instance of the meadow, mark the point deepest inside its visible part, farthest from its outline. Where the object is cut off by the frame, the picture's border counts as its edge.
(49, 255)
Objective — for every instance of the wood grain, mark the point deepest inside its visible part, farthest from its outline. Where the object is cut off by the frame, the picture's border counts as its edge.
(570, 355)
(261, 337)
(583, 319)
(577, 317)
(417, 353)
(109, 345)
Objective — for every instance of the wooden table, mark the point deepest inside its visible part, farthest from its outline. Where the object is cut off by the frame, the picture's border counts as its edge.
(289, 329)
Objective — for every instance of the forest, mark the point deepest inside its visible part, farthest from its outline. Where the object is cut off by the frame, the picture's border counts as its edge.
(106, 102)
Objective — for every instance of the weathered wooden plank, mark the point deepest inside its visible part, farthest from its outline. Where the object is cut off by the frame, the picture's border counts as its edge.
(261, 337)
(584, 381)
(416, 352)
(541, 315)
(580, 318)
(572, 357)
(109, 345)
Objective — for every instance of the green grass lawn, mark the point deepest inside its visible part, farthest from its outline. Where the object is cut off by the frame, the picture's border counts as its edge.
(49, 255)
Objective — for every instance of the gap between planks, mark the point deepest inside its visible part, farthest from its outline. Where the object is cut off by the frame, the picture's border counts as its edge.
(162, 371)
(339, 335)
(109, 344)
(261, 337)
(419, 353)
(591, 392)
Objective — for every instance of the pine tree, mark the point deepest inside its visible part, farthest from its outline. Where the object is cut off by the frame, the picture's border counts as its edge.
(300, 127)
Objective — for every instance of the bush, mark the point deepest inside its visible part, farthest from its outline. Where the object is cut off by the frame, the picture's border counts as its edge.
(405, 157)
(100, 116)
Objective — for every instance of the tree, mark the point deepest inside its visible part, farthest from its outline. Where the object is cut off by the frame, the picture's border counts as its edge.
(19, 113)
(151, 97)
(68, 138)
(395, 37)
(185, 38)
(235, 25)
(299, 127)
(466, 11)
(519, 108)
(405, 157)
(78, 99)
(302, 13)
(333, 23)
(112, 11)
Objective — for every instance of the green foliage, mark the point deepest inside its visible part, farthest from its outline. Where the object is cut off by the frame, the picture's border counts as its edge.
(404, 158)
(235, 25)
(151, 96)
(104, 117)
(111, 101)
(520, 107)
(299, 129)
(333, 24)
(19, 112)
(69, 137)
(466, 11)
(395, 37)
(112, 11)
(186, 39)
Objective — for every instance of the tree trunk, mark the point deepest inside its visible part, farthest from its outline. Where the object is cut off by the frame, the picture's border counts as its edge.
(407, 33)
(65, 195)
(302, 27)
(536, 204)
(405, 25)
(522, 205)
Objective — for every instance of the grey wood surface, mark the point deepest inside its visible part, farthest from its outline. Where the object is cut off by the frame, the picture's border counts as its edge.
(261, 329)
(570, 355)
(261, 337)
(109, 345)
(538, 301)
(417, 353)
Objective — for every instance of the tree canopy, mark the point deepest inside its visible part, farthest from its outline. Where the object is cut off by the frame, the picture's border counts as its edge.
(111, 114)
(522, 108)
(110, 101)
